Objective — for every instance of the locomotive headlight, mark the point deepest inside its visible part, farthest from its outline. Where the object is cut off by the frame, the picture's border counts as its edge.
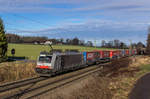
(43, 67)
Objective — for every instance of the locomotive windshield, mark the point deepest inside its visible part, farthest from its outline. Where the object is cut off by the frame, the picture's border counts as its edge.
(45, 59)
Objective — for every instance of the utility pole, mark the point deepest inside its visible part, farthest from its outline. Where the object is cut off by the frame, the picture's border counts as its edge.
(130, 43)
(95, 43)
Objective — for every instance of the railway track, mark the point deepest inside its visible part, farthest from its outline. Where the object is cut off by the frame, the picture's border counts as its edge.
(39, 86)
(16, 84)
(61, 83)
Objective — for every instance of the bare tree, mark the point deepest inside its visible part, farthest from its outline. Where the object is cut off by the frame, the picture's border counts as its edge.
(110, 44)
(116, 43)
(148, 42)
(75, 41)
(89, 43)
(81, 42)
(122, 45)
(103, 43)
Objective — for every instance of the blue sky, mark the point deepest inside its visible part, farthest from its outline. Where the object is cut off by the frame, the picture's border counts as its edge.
(86, 19)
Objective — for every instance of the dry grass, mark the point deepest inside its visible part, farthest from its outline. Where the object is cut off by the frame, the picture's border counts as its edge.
(95, 88)
(139, 61)
(90, 88)
(16, 71)
(125, 78)
(99, 86)
(115, 84)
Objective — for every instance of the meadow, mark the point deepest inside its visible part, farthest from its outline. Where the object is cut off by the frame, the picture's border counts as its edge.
(33, 51)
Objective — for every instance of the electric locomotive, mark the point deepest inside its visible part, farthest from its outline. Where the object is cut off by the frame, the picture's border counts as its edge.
(49, 64)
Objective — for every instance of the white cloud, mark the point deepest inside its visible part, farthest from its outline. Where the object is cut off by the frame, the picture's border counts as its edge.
(130, 16)
(97, 26)
(81, 5)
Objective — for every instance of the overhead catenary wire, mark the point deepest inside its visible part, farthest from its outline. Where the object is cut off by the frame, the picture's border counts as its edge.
(60, 35)
(38, 22)
(27, 18)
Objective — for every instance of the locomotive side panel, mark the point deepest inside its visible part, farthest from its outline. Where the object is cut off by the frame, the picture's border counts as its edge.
(56, 62)
(71, 61)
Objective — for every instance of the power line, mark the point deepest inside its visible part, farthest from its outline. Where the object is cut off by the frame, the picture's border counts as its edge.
(22, 26)
(8, 24)
(30, 19)
(10, 28)
(35, 21)
(27, 18)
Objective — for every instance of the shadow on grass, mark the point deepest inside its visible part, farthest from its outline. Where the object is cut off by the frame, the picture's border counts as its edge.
(16, 58)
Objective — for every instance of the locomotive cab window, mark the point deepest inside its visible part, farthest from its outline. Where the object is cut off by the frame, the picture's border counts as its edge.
(45, 59)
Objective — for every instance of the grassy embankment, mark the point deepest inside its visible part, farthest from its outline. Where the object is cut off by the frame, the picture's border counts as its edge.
(115, 85)
(126, 78)
(16, 71)
(32, 51)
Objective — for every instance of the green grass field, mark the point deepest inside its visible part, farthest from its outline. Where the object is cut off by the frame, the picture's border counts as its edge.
(33, 51)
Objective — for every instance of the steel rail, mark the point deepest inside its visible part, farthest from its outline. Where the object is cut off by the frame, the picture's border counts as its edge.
(20, 83)
(26, 91)
(61, 85)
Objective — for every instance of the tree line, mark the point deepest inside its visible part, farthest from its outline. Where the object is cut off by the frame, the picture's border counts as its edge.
(13, 38)
(114, 44)
(121, 45)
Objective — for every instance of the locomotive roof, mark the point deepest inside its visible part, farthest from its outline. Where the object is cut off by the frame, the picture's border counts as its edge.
(68, 53)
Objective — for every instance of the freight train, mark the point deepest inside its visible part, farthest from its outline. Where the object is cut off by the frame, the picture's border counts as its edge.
(49, 64)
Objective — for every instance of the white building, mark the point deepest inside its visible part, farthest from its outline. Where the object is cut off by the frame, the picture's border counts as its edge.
(48, 43)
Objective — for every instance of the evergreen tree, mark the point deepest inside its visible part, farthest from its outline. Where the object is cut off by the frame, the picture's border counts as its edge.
(3, 42)
(148, 43)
